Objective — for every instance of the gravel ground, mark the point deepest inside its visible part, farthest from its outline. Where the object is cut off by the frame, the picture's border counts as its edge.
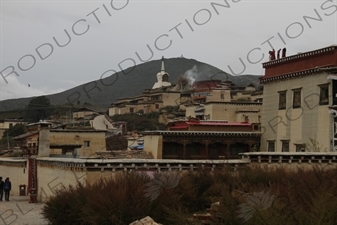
(18, 211)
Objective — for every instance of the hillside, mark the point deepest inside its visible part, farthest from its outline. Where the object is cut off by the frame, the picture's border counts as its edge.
(143, 76)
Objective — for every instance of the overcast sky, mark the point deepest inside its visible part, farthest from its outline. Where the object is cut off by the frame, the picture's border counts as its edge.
(113, 35)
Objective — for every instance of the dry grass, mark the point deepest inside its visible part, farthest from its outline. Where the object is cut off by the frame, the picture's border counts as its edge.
(248, 196)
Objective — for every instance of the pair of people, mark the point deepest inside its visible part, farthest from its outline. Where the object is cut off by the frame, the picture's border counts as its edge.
(5, 187)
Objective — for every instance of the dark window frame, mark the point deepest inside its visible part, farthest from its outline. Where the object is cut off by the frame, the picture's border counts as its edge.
(300, 147)
(86, 143)
(271, 143)
(222, 95)
(282, 102)
(324, 94)
(285, 146)
(297, 98)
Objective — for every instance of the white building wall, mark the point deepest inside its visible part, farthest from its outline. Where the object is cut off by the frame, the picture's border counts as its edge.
(18, 174)
(52, 178)
(229, 112)
(153, 145)
(297, 125)
(101, 123)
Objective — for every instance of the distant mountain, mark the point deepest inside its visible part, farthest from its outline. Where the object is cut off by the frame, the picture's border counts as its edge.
(133, 82)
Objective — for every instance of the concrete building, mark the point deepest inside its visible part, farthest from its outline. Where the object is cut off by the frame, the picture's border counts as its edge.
(212, 125)
(150, 101)
(84, 114)
(224, 91)
(206, 99)
(222, 100)
(299, 103)
(230, 111)
(43, 141)
(195, 139)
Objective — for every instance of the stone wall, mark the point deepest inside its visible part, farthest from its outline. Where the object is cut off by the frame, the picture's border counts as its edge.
(294, 160)
(17, 171)
(52, 175)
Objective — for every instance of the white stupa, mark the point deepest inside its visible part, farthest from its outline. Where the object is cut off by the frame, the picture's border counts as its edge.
(162, 77)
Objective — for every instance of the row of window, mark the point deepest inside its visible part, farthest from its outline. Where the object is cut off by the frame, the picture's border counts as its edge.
(85, 144)
(133, 110)
(297, 97)
(285, 146)
(155, 98)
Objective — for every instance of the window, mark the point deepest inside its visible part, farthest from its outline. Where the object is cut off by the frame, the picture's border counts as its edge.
(282, 99)
(222, 95)
(285, 145)
(131, 110)
(157, 106)
(300, 147)
(200, 117)
(324, 94)
(271, 146)
(165, 78)
(156, 98)
(297, 98)
(86, 144)
(171, 151)
(193, 149)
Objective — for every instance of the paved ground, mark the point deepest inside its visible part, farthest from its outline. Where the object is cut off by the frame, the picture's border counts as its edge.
(18, 211)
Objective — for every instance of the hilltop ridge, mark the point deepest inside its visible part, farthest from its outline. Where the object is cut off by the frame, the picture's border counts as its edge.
(132, 81)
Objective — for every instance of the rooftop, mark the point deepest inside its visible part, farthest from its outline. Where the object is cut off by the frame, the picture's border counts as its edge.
(220, 134)
(302, 64)
(218, 123)
(300, 56)
(84, 109)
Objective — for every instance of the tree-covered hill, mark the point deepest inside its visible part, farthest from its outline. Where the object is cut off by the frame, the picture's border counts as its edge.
(132, 81)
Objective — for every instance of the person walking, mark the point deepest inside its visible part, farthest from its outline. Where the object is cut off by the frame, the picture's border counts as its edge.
(7, 188)
(1, 188)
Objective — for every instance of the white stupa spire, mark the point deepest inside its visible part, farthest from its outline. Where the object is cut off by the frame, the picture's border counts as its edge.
(162, 64)
(162, 77)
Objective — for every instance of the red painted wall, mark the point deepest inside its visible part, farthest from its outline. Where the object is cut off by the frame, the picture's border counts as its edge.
(300, 62)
